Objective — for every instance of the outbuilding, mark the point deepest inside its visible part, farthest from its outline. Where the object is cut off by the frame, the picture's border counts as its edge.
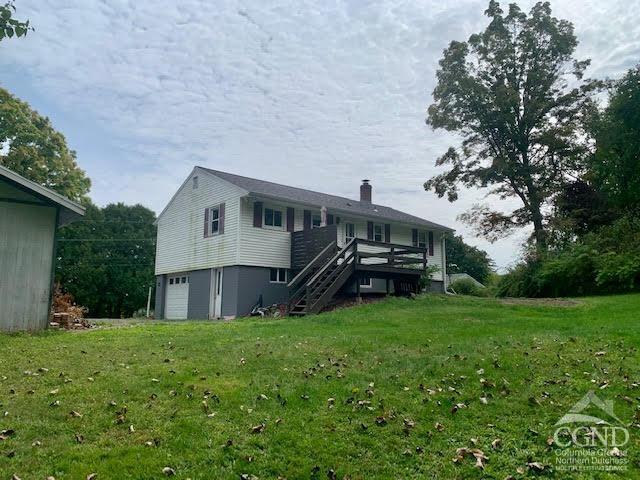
(30, 215)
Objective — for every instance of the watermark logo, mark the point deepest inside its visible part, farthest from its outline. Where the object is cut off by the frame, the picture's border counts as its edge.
(591, 437)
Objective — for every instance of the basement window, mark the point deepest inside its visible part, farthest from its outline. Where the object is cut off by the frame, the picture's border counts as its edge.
(365, 282)
(278, 275)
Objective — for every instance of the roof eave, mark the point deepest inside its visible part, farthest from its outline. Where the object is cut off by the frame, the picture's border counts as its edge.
(427, 223)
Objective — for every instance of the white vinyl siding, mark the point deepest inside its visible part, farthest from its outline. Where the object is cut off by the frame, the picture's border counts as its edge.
(266, 246)
(181, 244)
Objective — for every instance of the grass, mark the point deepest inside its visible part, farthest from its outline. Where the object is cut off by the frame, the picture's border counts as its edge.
(140, 390)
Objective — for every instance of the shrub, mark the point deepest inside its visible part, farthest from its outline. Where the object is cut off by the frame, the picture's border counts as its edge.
(466, 286)
(606, 261)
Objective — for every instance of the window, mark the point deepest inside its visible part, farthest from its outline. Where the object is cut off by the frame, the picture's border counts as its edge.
(178, 280)
(316, 221)
(378, 234)
(273, 218)
(195, 182)
(214, 220)
(422, 239)
(278, 275)
(365, 282)
(349, 232)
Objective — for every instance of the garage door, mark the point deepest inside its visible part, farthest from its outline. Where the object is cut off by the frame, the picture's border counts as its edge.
(177, 297)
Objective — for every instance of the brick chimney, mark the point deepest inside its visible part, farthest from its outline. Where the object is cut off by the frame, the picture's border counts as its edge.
(365, 191)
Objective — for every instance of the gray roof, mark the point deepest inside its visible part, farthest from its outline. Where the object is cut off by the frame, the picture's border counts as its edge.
(332, 202)
(69, 210)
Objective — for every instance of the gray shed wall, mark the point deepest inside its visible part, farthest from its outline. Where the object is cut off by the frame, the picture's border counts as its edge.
(27, 235)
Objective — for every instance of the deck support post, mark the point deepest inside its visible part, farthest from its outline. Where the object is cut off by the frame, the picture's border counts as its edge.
(388, 282)
(358, 296)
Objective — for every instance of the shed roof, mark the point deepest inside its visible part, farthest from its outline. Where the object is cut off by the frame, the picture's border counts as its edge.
(309, 197)
(69, 210)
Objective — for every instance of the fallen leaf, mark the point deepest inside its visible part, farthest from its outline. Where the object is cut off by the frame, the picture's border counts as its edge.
(496, 444)
(75, 414)
(258, 428)
(616, 452)
(536, 466)
(476, 453)
(168, 471)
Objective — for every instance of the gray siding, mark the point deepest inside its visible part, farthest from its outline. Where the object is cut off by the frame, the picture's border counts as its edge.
(230, 282)
(242, 287)
(436, 286)
(26, 260)
(199, 294)
(161, 283)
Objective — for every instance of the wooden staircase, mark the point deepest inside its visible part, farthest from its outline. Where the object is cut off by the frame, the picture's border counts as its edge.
(319, 281)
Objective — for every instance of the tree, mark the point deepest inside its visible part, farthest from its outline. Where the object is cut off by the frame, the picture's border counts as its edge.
(616, 163)
(106, 260)
(463, 258)
(31, 147)
(579, 208)
(9, 26)
(517, 97)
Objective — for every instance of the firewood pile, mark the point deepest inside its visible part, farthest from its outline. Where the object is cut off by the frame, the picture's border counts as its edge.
(65, 313)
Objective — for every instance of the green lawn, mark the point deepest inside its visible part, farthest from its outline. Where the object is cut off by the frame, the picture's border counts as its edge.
(219, 400)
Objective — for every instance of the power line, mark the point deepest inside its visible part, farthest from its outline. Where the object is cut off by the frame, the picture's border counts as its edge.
(106, 239)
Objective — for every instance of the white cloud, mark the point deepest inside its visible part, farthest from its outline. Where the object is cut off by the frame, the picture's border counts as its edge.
(313, 94)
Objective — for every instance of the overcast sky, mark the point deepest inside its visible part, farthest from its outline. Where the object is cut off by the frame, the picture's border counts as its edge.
(311, 94)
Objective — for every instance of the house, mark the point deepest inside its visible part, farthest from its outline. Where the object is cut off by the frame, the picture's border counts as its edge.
(226, 242)
(30, 215)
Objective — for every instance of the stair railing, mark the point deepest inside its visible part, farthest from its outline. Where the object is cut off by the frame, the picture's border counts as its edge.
(308, 270)
(313, 286)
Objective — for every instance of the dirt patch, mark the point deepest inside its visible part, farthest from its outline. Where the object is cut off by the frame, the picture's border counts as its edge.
(540, 302)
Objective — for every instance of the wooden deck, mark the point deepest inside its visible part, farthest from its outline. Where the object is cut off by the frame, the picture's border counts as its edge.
(329, 267)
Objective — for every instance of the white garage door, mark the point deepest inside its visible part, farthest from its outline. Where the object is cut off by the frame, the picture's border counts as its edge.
(177, 300)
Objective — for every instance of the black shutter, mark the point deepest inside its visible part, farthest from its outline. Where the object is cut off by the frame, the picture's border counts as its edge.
(206, 222)
(369, 230)
(221, 220)
(291, 215)
(329, 219)
(307, 220)
(431, 243)
(414, 236)
(257, 214)
(387, 233)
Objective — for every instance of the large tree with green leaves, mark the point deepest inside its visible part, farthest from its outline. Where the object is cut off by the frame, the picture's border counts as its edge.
(30, 146)
(615, 167)
(517, 97)
(9, 25)
(106, 260)
(463, 258)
